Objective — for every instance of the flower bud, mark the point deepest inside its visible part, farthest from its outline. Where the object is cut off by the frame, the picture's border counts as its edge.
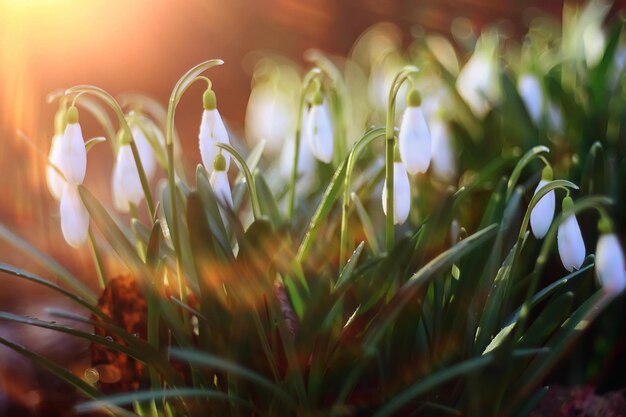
(74, 216)
(319, 132)
(414, 138)
(443, 154)
(401, 194)
(543, 212)
(530, 90)
(610, 260)
(570, 240)
(146, 153)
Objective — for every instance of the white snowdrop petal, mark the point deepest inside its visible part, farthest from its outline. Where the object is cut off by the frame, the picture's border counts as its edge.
(72, 154)
(221, 188)
(530, 90)
(126, 183)
(414, 141)
(146, 153)
(212, 131)
(543, 212)
(443, 155)
(74, 217)
(571, 244)
(476, 83)
(610, 264)
(319, 133)
(269, 117)
(401, 194)
(54, 180)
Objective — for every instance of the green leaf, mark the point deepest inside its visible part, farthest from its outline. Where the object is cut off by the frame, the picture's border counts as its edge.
(164, 394)
(93, 142)
(368, 226)
(269, 206)
(53, 368)
(528, 157)
(47, 262)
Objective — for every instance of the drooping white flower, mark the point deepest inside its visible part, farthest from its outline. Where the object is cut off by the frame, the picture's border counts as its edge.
(221, 187)
(414, 138)
(530, 90)
(212, 131)
(74, 216)
(72, 159)
(610, 264)
(305, 165)
(269, 117)
(146, 153)
(570, 240)
(555, 117)
(401, 194)
(54, 180)
(543, 212)
(478, 81)
(443, 154)
(319, 131)
(125, 182)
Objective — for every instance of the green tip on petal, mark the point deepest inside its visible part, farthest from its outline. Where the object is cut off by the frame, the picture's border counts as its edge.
(72, 115)
(219, 164)
(547, 174)
(413, 99)
(60, 120)
(605, 225)
(567, 204)
(318, 98)
(208, 99)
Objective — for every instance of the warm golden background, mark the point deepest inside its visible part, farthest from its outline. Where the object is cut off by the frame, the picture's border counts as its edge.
(145, 45)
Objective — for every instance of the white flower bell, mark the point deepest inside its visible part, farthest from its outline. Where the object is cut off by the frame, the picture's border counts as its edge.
(126, 184)
(529, 89)
(212, 131)
(74, 216)
(443, 154)
(414, 138)
(610, 260)
(53, 179)
(219, 183)
(269, 116)
(146, 153)
(570, 240)
(319, 131)
(543, 212)
(72, 158)
(401, 194)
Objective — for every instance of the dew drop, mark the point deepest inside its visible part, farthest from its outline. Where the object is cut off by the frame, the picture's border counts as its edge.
(91, 375)
(109, 338)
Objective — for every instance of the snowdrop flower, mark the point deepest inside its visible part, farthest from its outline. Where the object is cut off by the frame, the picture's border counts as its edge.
(555, 117)
(126, 184)
(569, 239)
(220, 185)
(401, 194)
(530, 90)
(305, 165)
(269, 116)
(74, 216)
(212, 131)
(443, 155)
(478, 81)
(146, 153)
(610, 260)
(54, 180)
(72, 158)
(319, 131)
(414, 138)
(542, 213)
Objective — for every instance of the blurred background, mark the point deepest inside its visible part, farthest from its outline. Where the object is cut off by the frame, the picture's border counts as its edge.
(146, 46)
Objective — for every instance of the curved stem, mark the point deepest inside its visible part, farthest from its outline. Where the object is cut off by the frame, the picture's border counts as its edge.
(254, 200)
(306, 83)
(400, 78)
(179, 89)
(353, 156)
(524, 160)
(107, 98)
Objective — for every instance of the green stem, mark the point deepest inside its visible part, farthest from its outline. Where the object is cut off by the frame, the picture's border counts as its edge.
(179, 89)
(402, 76)
(108, 99)
(306, 83)
(353, 156)
(97, 260)
(254, 199)
(524, 160)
